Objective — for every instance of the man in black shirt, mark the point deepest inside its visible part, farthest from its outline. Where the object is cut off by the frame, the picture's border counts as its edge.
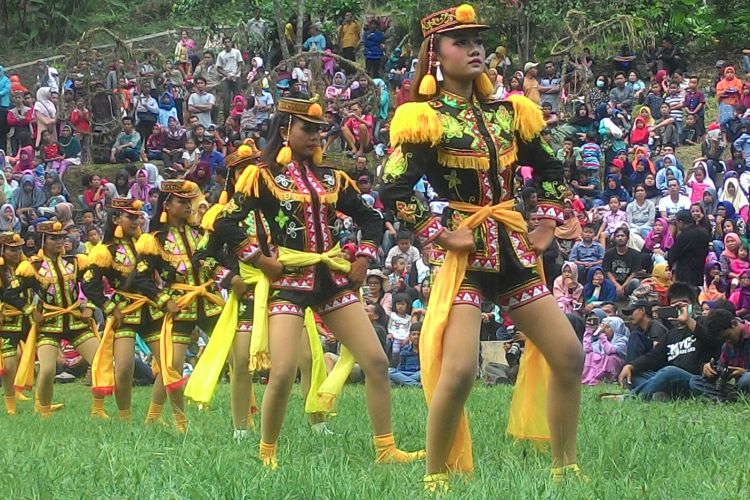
(621, 263)
(646, 331)
(668, 368)
(687, 256)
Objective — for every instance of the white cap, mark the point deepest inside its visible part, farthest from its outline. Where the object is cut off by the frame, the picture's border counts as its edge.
(529, 65)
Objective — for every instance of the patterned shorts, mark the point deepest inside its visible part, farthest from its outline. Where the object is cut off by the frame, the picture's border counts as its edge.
(8, 346)
(324, 299)
(75, 337)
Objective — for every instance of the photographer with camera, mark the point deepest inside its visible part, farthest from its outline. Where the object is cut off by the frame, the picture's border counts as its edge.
(666, 370)
(733, 361)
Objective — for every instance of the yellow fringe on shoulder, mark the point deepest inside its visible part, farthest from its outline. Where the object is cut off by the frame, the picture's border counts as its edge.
(509, 157)
(100, 256)
(209, 218)
(416, 122)
(147, 244)
(527, 117)
(248, 181)
(455, 160)
(344, 178)
(330, 198)
(25, 269)
(83, 261)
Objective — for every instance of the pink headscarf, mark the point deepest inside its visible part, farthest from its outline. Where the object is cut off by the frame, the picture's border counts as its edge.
(726, 251)
(565, 299)
(138, 191)
(665, 237)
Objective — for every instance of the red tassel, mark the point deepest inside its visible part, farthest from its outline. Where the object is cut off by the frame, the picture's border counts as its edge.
(174, 386)
(103, 391)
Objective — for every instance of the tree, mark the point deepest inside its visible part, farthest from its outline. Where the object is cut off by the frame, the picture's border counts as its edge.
(280, 29)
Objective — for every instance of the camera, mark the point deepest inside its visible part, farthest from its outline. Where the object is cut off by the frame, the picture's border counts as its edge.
(723, 375)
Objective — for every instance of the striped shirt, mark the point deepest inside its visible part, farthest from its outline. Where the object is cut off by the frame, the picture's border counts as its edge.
(675, 99)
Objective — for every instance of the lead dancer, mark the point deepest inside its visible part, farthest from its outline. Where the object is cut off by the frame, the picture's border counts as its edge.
(467, 147)
(299, 200)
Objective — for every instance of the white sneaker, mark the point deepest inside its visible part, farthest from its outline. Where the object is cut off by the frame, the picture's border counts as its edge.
(240, 435)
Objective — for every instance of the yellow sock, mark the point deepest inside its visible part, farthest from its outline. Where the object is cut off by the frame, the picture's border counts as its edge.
(436, 483)
(180, 420)
(268, 455)
(44, 410)
(125, 415)
(154, 413)
(10, 405)
(387, 453)
(97, 409)
(21, 396)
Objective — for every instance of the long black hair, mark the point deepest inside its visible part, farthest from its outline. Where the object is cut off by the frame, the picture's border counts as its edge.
(109, 226)
(155, 224)
(275, 141)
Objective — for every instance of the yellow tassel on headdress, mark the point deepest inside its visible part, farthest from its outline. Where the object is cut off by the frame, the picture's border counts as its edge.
(83, 261)
(317, 158)
(147, 245)
(285, 156)
(224, 198)
(483, 86)
(100, 256)
(25, 269)
(2, 261)
(527, 117)
(415, 123)
(248, 181)
(428, 85)
(465, 14)
(209, 218)
(163, 217)
(40, 253)
(118, 232)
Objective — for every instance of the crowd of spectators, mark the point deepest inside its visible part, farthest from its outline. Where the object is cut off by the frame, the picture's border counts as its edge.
(656, 207)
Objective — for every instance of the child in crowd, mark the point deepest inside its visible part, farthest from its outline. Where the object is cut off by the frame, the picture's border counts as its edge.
(732, 244)
(611, 220)
(690, 134)
(739, 265)
(654, 98)
(592, 157)
(741, 297)
(407, 372)
(190, 156)
(398, 277)
(714, 285)
(93, 238)
(399, 322)
(154, 144)
(587, 253)
(403, 248)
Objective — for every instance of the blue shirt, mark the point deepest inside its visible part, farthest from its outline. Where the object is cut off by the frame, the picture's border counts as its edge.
(408, 360)
(372, 43)
(4, 89)
(317, 42)
(583, 253)
(215, 159)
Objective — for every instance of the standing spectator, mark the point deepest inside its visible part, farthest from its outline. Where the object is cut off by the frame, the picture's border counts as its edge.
(530, 82)
(676, 101)
(622, 263)
(201, 103)
(399, 322)
(687, 257)
(695, 104)
(207, 70)
(4, 107)
(549, 86)
(229, 67)
(499, 61)
(315, 42)
(45, 113)
(19, 119)
(349, 35)
(728, 92)
(183, 53)
(373, 42)
(146, 111)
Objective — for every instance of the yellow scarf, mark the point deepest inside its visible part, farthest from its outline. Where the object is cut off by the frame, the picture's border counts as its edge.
(326, 388)
(447, 283)
(25, 374)
(172, 378)
(102, 368)
(8, 312)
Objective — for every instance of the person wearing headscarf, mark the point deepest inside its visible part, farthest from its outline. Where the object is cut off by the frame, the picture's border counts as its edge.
(173, 141)
(154, 177)
(201, 174)
(709, 202)
(64, 214)
(732, 244)
(256, 69)
(403, 94)
(120, 188)
(598, 287)
(384, 99)
(639, 135)
(659, 236)
(645, 113)
(27, 198)
(238, 106)
(338, 88)
(141, 188)
(167, 110)
(613, 187)
(566, 289)
(8, 219)
(732, 192)
(570, 231)
(6, 191)
(714, 285)
(741, 296)
(728, 93)
(669, 166)
(654, 289)
(45, 113)
(605, 350)
(70, 147)
(581, 121)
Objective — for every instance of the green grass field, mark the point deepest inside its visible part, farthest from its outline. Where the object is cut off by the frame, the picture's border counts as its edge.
(681, 450)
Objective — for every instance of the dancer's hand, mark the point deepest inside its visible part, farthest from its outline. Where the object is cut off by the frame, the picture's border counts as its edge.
(87, 313)
(542, 236)
(358, 272)
(238, 286)
(37, 317)
(460, 240)
(270, 266)
(117, 315)
(172, 307)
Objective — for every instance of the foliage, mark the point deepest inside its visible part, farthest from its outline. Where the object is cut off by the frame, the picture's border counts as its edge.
(684, 449)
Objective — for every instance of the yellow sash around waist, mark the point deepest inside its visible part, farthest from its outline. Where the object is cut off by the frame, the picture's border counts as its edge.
(102, 368)
(445, 288)
(8, 312)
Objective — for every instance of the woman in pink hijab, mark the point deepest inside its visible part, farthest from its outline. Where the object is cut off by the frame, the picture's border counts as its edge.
(141, 188)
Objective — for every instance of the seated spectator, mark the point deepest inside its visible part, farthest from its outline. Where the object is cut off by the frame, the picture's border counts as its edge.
(407, 370)
(658, 241)
(654, 289)
(687, 257)
(641, 212)
(154, 146)
(666, 370)
(622, 264)
(419, 305)
(51, 154)
(399, 322)
(733, 193)
(357, 131)
(569, 232)
(330, 134)
(8, 219)
(714, 286)
(612, 219)
(673, 201)
(378, 290)
(605, 350)
(598, 288)
(167, 110)
(646, 332)
(741, 296)
(698, 181)
(93, 238)
(173, 142)
(403, 248)
(338, 89)
(140, 188)
(209, 155)
(587, 254)
(27, 199)
(639, 135)
(735, 354)
(127, 146)
(190, 156)
(690, 133)
(566, 290)
(664, 129)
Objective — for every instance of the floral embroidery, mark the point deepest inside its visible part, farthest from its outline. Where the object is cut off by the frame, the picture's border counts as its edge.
(452, 128)
(395, 166)
(504, 119)
(553, 190)
(453, 180)
(142, 266)
(406, 212)
(281, 219)
(546, 147)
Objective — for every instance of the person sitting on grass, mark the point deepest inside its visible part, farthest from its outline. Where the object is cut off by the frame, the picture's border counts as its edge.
(622, 263)
(646, 331)
(597, 289)
(605, 350)
(407, 371)
(666, 371)
(128, 144)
